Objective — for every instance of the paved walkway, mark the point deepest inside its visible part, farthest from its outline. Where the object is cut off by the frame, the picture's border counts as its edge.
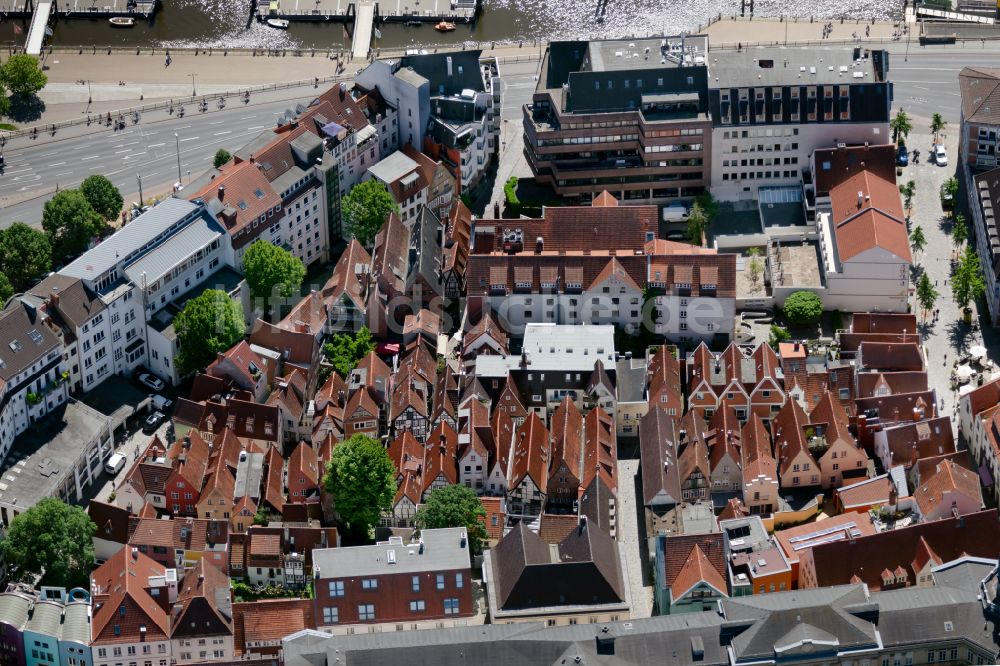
(630, 536)
(777, 31)
(947, 337)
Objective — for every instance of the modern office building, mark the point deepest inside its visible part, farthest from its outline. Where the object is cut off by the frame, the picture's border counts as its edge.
(629, 117)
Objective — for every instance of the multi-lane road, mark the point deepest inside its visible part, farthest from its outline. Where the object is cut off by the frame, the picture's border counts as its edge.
(146, 150)
(926, 81)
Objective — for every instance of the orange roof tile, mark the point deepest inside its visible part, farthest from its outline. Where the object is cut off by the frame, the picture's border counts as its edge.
(868, 213)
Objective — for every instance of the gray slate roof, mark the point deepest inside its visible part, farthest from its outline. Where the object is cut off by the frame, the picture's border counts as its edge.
(788, 66)
(145, 229)
(77, 304)
(442, 551)
(24, 338)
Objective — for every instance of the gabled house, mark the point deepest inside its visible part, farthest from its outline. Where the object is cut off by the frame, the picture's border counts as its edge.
(289, 397)
(529, 464)
(475, 442)
(407, 456)
(760, 469)
(564, 476)
(201, 622)
(701, 372)
(444, 407)
(440, 467)
(217, 495)
(131, 594)
(408, 410)
(247, 370)
(189, 460)
(361, 414)
(693, 468)
(690, 572)
(767, 393)
(661, 485)
(510, 402)
(837, 453)
(663, 380)
(304, 474)
(486, 337)
(797, 467)
(950, 490)
(503, 430)
(724, 457)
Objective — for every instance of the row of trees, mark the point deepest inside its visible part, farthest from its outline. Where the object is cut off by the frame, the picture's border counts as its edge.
(901, 126)
(70, 220)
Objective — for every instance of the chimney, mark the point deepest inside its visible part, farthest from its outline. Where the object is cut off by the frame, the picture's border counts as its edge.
(135, 553)
(222, 192)
(861, 198)
(539, 244)
(448, 61)
(54, 298)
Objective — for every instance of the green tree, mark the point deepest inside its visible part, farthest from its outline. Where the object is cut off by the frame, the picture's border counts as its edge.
(949, 193)
(937, 124)
(756, 265)
(803, 308)
(926, 293)
(967, 281)
(346, 349)
(454, 506)
(53, 540)
(697, 224)
(25, 255)
(221, 157)
(708, 204)
(900, 126)
(959, 231)
(365, 209)
(908, 190)
(917, 239)
(71, 222)
(6, 291)
(4, 99)
(272, 271)
(209, 323)
(779, 334)
(102, 196)
(22, 75)
(362, 481)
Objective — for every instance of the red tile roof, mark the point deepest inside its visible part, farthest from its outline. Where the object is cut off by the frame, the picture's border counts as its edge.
(835, 563)
(870, 492)
(303, 462)
(566, 431)
(530, 454)
(883, 322)
(758, 457)
(691, 558)
(440, 456)
(245, 196)
(909, 442)
(270, 620)
(600, 450)
(868, 213)
(789, 439)
(835, 165)
(496, 516)
(121, 582)
(948, 478)
(897, 357)
(872, 383)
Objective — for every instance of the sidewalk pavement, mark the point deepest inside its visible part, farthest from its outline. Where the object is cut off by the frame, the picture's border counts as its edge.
(733, 31)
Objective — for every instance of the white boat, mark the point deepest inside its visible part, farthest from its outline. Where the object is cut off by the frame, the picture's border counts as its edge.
(121, 21)
(280, 24)
(444, 26)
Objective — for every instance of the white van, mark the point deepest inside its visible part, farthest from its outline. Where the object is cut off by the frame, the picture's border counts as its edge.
(114, 464)
(675, 213)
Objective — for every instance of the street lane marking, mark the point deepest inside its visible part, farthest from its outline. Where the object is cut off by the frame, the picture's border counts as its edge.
(193, 138)
(157, 145)
(64, 173)
(122, 145)
(258, 127)
(221, 133)
(92, 157)
(217, 122)
(57, 164)
(119, 152)
(128, 157)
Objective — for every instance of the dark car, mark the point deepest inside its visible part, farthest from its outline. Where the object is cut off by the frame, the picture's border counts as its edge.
(152, 422)
(902, 155)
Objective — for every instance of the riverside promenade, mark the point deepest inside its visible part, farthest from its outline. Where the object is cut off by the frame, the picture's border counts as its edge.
(94, 82)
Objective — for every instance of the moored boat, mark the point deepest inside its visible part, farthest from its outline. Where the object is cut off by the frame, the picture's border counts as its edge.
(280, 24)
(121, 21)
(444, 26)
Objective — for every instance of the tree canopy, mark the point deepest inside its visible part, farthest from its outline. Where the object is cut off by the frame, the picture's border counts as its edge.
(22, 75)
(346, 349)
(938, 123)
(102, 196)
(362, 481)
(25, 255)
(959, 231)
(272, 271)
(221, 157)
(967, 281)
(51, 539)
(697, 224)
(803, 308)
(71, 222)
(778, 335)
(365, 209)
(917, 239)
(901, 126)
(209, 323)
(454, 506)
(926, 293)
(6, 291)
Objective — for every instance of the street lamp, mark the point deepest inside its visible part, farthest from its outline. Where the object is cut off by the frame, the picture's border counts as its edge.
(138, 177)
(193, 91)
(90, 97)
(177, 142)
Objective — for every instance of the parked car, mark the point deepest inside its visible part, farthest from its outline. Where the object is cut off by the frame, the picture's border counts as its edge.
(902, 155)
(152, 381)
(160, 403)
(940, 155)
(153, 422)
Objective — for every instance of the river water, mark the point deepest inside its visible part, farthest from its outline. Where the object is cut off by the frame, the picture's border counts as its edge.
(225, 23)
